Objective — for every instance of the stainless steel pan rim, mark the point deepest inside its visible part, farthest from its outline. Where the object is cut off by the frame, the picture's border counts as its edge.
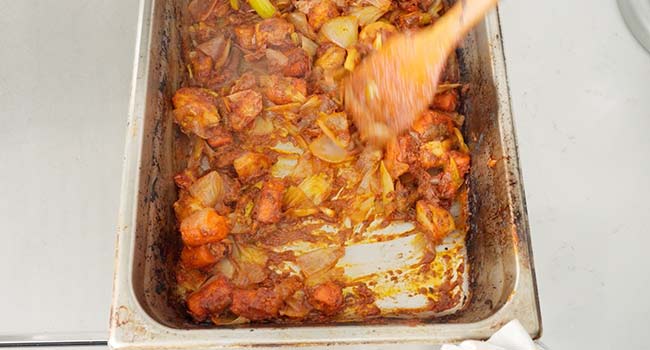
(133, 327)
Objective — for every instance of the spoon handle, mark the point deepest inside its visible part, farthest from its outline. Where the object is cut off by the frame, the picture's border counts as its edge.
(456, 23)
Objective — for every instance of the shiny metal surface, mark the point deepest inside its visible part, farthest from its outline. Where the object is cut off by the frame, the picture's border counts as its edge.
(502, 275)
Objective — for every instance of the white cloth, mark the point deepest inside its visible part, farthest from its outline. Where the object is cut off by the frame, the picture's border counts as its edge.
(512, 336)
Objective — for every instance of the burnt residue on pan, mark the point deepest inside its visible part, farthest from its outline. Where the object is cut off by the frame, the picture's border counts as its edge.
(494, 196)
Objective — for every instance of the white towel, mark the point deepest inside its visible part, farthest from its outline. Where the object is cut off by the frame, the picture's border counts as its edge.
(512, 336)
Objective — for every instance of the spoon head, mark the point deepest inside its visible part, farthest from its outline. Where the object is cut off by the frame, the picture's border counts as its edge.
(391, 87)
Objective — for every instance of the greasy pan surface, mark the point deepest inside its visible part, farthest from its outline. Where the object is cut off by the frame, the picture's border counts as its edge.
(501, 278)
(285, 215)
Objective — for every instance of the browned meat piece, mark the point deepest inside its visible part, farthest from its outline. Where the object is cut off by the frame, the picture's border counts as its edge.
(405, 196)
(211, 300)
(225, 155)
(246, 81)
(436, 220)
(245, 106)
(263, 303)
(184, 179)
(261, 96)
(446, 101)
(294, 62)
(186, 205)
(432, 154)
(219, 137)
(201, 66)
(282, 90)
(245, 35)
(204, 226)
(427, 185)
(327, 298)
(414, 5)
(269, 206)
(299, 64)
(433, 124)
(407, 149)
(195, 110)
(321, 12)
(413, 20)
(203, 255)
(231, 189)
(395, 167)
(275, 31)
(257, 304)
(445, 184)
(251, 165)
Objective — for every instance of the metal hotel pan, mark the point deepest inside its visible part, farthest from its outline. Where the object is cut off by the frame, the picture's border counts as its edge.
(501, 274)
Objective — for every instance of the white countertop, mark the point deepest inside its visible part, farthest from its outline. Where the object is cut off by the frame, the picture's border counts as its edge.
(580, 89)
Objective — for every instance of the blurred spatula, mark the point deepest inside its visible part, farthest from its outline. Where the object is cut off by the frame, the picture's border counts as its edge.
(395, 84)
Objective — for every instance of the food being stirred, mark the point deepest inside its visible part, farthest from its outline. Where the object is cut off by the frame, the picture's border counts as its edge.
(284, 214)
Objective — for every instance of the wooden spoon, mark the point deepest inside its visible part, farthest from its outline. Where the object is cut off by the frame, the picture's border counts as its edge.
(395, 84)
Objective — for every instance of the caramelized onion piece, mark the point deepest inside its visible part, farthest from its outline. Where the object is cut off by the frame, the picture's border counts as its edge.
(343, 31)
(326, 149)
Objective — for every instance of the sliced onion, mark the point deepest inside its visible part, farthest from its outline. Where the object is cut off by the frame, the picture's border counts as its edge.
(287, 148)
(352, 59)
(367, 14)
(288, 107)
(247, 274)
(250, 165)
(304, 169)
(316, 187)
(452, 169)
(318, 261)
(225, 267)
(209, 189)
(324, 148)
(284, 166)
(299, 20)
(276, 58)
(368, 159)
(387, 185)
(308, 45)
(229, 321)
(343, 31)
(370, 182)
(362, 207)
(305, 5)
(334, 57)
(381, 4)
(372, 31)
(461, 141)
(312, 103)
(248, 254)
(296, 306)
(218, 48)
(446, 87)
(335, 126)
(301, 212)
(262, 126)
(294, 198)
